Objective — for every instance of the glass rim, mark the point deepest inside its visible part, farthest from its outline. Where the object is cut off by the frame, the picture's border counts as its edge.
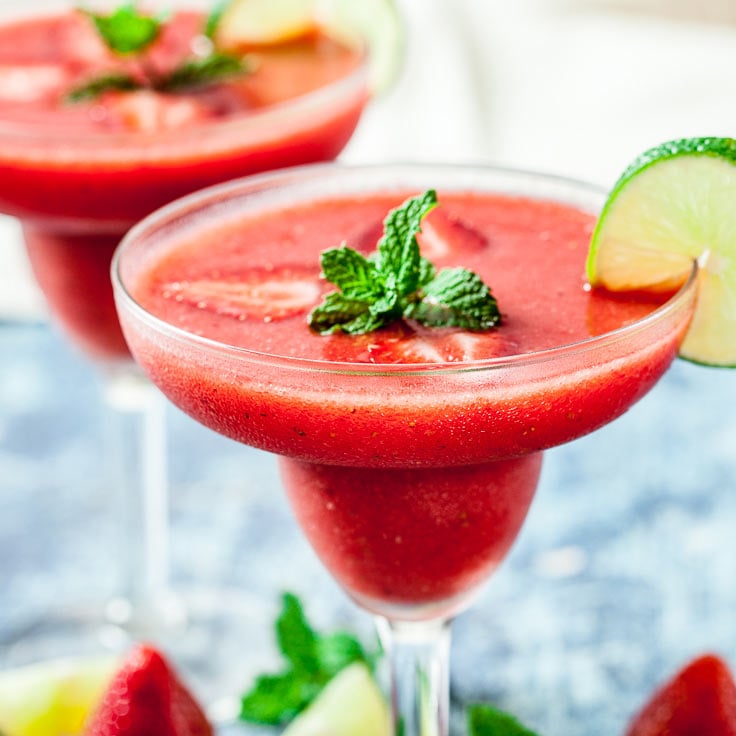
(259, 119)
(198, 201)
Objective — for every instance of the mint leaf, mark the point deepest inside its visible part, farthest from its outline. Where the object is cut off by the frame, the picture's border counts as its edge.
(197, 72)
(339, 313)
(352, 272)
(398, 282)
(99, 85)
(275, 699)
(296, 638)
(125, 30)
(337, 651)
(311, 660)
(398, 249)
(456, 297)
(484, 720)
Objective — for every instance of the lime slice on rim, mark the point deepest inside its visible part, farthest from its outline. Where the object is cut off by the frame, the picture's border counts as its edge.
(350, 705)
(371, 23)
(264, 21)
(676, 203)
(53, 697)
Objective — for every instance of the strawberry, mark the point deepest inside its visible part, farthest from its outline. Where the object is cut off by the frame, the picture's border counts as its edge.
(146, 698)
(261, 294)
(700, 700)
(445, 234)
(146, 111)
(30, 82)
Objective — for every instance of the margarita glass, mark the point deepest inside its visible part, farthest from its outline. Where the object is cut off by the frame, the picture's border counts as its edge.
(410, 476)
(78, 178)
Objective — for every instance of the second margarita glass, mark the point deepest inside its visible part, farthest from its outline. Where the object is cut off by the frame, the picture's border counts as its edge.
(77, 177)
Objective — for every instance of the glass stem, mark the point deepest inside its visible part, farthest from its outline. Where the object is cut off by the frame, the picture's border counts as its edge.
(419, 656)
(136, 450)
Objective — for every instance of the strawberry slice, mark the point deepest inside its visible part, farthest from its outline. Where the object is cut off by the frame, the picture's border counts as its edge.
(30, 82)
(700, 700)
(259, 294)
(445, 234)
(402, 343)
(146, 111)
(146, 698)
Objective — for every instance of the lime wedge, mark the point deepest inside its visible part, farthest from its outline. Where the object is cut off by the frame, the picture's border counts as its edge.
(52, 697)
(350, 705)
(245, 22)
(676, 203)
(374, 24)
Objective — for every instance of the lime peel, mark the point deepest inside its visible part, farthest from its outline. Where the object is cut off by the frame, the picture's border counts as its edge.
(675, 204)
(52, 697)
(374, 24)
(350, 705)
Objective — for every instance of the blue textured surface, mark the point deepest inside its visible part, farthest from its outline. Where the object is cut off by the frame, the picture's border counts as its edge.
(625, 569)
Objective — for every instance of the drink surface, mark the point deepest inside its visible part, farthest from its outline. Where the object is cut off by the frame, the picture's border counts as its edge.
(251, 283)
(80, 174)
(117, 157)
(235, 284)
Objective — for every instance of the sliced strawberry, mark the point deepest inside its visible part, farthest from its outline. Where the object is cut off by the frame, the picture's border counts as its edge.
(147, 111)
(400, 343)
(700, 700)
(30, 82)
(367, 240)
(146, 698)
(444, 234)
(259, 294)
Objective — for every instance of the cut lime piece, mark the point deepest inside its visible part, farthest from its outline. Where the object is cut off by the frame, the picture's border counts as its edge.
(373, 24)
(675, 204)
(245, 22)
(350, 705)
(52, 697)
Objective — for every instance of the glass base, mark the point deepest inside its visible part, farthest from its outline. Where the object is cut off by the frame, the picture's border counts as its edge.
(216, 639)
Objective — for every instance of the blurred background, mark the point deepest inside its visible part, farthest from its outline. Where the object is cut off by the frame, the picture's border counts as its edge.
(627, 565)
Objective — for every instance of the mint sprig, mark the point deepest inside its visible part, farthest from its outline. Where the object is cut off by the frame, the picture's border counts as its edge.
(485, 720)
(99, 85)
(199, 71)
(397, 282)
(311, 660)
(128, 32)
(125, 30)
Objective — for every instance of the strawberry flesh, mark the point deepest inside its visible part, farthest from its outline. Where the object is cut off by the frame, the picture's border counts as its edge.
(445, 234)
(700, 700)
(146, 698)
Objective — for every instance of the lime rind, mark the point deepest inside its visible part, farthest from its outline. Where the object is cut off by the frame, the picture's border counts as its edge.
(676, 203)
(372, 24)
(264, 21)
(350, 705)
(377, 24)
(52, 697)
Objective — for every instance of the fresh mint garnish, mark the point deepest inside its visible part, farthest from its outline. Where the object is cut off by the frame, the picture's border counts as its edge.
(128, 32)
(312, 659)
(99, 85)
(125, 30)
(485, 720)
(397, 282)
(196, 72)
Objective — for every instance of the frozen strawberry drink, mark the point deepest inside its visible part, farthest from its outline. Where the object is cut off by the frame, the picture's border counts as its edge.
(92, 139)
(410, 405)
